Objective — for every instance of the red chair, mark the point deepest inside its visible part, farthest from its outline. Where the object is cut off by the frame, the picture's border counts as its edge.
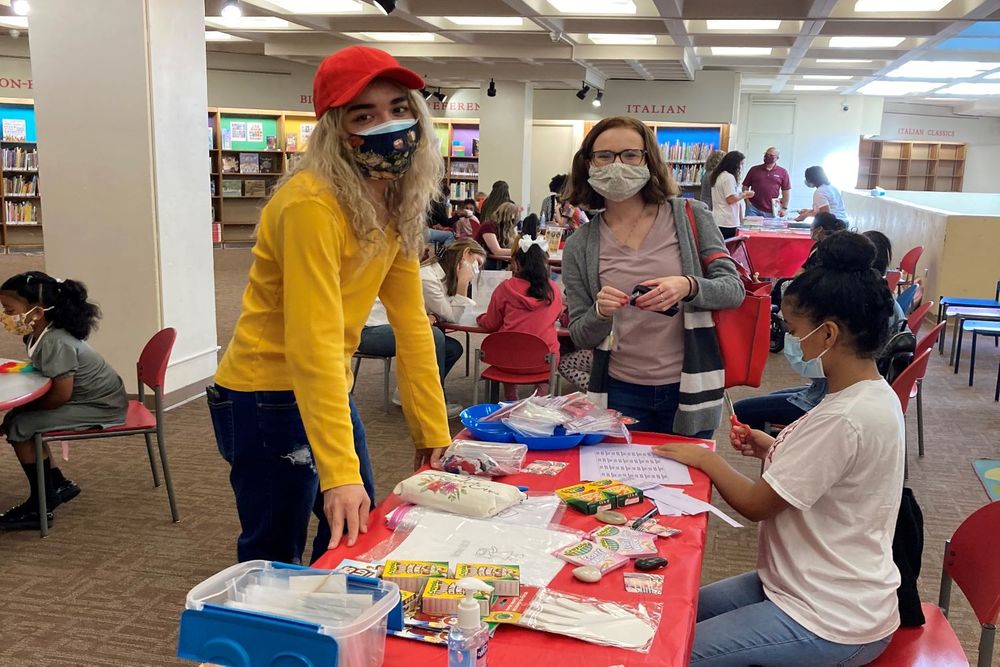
(515, 358)
(905, 386)
(892, 277)
(151, 372)
(915, 320)
(924, 344)
(970, 561)
(908, 266)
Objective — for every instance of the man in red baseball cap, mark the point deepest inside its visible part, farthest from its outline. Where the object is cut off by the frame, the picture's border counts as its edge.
(344, 74)
(346, 225)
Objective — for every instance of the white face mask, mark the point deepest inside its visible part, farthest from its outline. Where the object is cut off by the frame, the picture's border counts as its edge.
(474, 266)
(618, 181)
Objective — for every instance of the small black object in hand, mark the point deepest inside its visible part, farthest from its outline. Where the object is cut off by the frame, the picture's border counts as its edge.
(639, 290)
(648, 564)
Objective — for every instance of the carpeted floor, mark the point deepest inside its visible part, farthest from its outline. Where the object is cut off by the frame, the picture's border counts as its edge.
(108, 584)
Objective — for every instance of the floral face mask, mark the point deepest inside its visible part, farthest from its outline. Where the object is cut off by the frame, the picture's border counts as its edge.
(385, 152)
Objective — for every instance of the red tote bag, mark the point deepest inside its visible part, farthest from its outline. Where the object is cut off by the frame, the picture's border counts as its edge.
(743, 331)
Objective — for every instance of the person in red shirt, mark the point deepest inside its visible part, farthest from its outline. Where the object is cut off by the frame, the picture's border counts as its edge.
(529, 302)
(768, 182)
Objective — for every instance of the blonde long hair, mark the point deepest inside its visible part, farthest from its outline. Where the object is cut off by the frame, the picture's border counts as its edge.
(505, 222)
(407, 199)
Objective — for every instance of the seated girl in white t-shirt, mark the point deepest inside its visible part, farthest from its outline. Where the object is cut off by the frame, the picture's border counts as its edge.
(824, 592)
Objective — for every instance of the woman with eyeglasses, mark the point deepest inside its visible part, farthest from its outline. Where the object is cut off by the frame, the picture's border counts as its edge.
(637, 269)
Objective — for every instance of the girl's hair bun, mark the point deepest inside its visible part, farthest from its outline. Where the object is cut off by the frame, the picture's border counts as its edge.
(848, 253)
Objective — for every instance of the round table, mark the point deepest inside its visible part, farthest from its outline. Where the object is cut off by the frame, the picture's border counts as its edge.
(20, 388)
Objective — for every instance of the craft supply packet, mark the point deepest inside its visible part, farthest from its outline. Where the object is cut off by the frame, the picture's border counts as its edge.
(550, 468)
(589, 553)
(653, 527)
(644, 582)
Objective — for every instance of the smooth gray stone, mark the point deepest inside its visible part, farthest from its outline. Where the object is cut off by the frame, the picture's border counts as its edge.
(587, 573)
(614, 518)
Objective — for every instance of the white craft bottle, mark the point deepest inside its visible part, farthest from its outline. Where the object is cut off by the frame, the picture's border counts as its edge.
(469, 638)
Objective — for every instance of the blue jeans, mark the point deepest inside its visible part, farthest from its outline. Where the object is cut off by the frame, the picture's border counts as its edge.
(773, 408)
(440, 237)
(653, 406)
(753, 210)
(380, 341)
(738, 626)
(261, 435)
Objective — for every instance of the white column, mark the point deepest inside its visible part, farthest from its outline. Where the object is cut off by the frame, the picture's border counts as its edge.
(120, 97)
(505, 140)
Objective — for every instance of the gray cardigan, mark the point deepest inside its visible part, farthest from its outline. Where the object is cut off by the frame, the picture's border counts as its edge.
(703, 375)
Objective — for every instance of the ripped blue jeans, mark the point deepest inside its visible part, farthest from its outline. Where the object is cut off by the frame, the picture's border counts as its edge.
(261, 436)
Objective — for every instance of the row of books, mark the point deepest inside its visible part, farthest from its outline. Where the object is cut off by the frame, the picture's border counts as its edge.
(250, 163)
(22, 213)
(463, 189)
(678, 151)
(20, 158)
(465, 170)
(20, 185)
(251, 187)
(688, 173)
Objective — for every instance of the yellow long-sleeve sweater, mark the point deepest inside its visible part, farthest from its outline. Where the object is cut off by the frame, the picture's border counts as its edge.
(310, 292)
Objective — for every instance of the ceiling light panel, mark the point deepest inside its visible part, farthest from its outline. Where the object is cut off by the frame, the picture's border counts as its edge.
(621, 39)
(861, 42)
(216, 36)
(971, 89)
(16, 22)
(812, 87)
(251, 23)
(941, 69)
(486, 21)
(995, 75)
(741, 25)
(908, 6)
(741, 50)
(593, 6)
(314, 7)
(897, 87)
(393, 36)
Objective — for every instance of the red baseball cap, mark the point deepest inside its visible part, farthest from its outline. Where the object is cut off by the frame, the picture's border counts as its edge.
(344, 74)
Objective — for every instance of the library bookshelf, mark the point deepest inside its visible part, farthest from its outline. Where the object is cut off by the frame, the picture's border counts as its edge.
(911, 165)
(20, 199)
(459, 140)
(685, 147)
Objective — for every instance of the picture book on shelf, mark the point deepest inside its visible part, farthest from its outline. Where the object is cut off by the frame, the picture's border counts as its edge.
(14, 129)
(231, 188)
(291, 141)
(272, 142)
(253, 187)
(238, 130)
(249, 163)
(211, 138)
(268, 164)
(255, 132)
(227, 139)
(230, 164)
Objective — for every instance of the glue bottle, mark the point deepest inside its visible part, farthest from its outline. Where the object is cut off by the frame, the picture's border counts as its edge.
(468, 639)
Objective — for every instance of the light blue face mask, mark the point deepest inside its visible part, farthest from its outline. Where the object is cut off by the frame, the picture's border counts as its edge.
(813, 368)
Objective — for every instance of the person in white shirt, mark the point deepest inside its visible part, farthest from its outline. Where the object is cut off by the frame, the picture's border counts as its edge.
(824, 592)
(445, 282)
(826, 198)
(727, 200)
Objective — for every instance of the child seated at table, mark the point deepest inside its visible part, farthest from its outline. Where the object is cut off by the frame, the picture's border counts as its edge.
(824, 590)
(55, 319)
(529, 301)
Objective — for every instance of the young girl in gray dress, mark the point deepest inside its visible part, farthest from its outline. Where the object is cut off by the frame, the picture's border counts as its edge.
(55, 319)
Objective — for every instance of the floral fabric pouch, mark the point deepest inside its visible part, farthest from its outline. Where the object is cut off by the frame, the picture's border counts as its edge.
(459, 494)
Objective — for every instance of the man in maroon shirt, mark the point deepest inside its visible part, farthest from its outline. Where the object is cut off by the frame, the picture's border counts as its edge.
(769, 182)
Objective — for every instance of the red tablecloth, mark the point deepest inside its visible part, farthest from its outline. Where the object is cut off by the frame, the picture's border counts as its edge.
(513, 646)
(777, 254)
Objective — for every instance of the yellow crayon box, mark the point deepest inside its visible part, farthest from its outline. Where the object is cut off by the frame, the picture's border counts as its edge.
(599, 495)
(441, 597)
(410, 602)
(505, 579)
(411, 575)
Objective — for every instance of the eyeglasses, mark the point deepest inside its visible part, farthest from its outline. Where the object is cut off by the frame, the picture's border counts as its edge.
(633, 156)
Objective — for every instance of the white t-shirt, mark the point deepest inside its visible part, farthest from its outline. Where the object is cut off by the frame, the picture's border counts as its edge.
(436, 299)
(826, 561)
(827, 195)
(725, 214)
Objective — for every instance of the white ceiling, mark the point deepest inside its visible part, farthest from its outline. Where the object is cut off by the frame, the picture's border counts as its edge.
(796, 41)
